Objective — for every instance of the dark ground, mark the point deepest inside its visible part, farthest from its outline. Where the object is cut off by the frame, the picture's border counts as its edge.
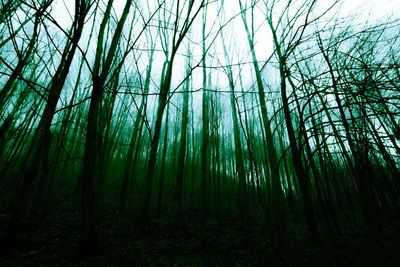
(55, 242)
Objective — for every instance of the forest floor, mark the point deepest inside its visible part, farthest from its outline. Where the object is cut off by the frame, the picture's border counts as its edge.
(55, 241)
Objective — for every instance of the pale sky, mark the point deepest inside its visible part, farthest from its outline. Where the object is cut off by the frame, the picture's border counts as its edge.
(234, 34)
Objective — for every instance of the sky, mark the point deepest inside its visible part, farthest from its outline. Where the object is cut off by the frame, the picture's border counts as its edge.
(233, 34)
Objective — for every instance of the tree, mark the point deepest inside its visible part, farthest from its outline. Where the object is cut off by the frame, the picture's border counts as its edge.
(42, 133)
(178, 36)
(100, 73)
(277, 194)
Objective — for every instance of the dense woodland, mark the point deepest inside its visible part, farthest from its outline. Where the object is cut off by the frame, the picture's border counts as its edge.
(198, 132)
